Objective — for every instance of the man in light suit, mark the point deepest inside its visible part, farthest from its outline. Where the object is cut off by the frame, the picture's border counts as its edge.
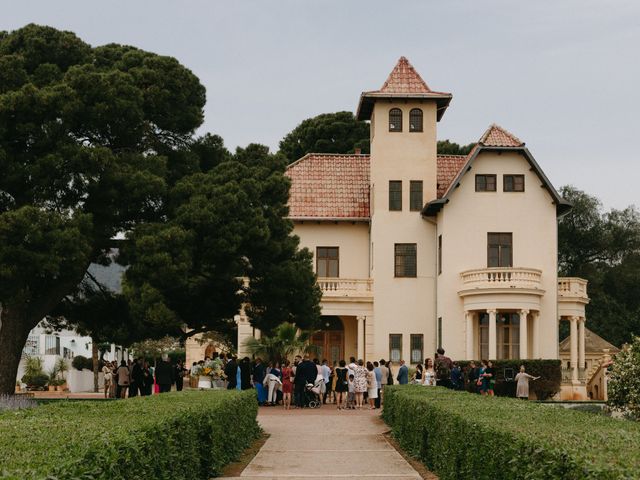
(403, 374)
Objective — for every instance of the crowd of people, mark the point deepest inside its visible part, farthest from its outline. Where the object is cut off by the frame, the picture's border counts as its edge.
(138, 377)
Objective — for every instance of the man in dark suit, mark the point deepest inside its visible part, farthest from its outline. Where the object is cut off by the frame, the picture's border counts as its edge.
(137, 378)
(230, 371)
(164, 375)
(306, 372)
(403, 374)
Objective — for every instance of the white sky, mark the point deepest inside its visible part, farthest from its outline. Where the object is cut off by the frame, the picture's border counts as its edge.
(564, 76)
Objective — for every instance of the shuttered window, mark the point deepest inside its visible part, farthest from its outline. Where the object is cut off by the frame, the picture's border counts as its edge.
(415, 120)
(417, 348)
(405, 260)
(513, 183)
(499, 250)
(395, 195)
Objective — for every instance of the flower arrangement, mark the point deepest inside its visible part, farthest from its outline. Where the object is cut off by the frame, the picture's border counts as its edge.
(210, 368)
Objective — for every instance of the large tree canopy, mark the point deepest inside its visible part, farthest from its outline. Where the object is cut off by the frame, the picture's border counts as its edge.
(225, 223)
(340, 132)
(604, 248)
(83, 132)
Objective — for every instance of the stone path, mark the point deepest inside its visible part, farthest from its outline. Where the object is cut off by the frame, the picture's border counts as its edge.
(325, 444)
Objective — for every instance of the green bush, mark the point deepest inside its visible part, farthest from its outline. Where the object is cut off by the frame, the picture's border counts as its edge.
(36, 381)
(79, 363)
(459, 435)
(549, 371)
(179, 435)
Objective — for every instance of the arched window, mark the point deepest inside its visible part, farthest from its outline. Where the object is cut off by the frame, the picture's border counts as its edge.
(415, 120)
(395, 120)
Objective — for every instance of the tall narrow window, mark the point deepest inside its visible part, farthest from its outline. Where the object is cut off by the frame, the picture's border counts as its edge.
(485, 183)
(395, 347)
(415, 195)
(513, 183)
(439, 254)
(499, 250)
(417, 348)
(395, 195)
(327, 262)
(405, 260)
(415, 120)
(439, 332)
(508, 331)
(484, 335)
(395, 120)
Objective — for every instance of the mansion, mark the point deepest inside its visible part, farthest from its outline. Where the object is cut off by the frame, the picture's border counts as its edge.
(414, 250)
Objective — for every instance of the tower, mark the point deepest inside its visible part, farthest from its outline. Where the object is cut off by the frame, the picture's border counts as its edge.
(403, 115)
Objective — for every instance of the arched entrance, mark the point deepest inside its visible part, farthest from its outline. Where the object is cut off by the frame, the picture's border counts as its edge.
(330, 339)
(210, 350)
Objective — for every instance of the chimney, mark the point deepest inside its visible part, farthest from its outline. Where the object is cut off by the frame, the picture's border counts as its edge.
(357, 151)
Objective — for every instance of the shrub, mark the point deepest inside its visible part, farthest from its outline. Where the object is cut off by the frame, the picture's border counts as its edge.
(464, 436)
(549, 371)
(624, 384)
(36, 381)
(180, 435)
(81, 363)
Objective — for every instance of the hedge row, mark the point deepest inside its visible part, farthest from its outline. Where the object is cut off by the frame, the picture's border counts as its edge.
(459, 435)
(549, 371)
(181, 435)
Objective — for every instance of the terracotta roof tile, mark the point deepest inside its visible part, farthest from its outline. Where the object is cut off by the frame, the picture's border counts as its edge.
(404, 79)
(448, 168)
(496, 136)
(329, 186)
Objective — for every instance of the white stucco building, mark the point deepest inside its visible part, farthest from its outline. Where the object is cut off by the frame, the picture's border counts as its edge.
(415, 250)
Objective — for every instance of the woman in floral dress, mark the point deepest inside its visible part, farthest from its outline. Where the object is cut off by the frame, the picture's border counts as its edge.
(360, 380)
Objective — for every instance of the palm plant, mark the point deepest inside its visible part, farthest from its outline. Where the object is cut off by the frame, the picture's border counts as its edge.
(285, 341)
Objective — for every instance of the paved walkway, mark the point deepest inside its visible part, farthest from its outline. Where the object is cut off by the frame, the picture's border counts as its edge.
(325, 444)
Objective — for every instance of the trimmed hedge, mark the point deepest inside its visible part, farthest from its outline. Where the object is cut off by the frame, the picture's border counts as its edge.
(181, 435)
(549, 371)
(459, 435)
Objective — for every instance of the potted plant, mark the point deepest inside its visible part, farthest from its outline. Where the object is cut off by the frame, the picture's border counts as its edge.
(53, 378)
(17, 386)
(62, 367)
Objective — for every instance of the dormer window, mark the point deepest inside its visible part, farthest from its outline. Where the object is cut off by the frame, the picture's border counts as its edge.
(415, 120)
(395, 120)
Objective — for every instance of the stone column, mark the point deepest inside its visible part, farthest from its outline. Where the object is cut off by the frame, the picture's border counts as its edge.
(492, 334)
(581, 342)
(524, 338)
(469, 325)
(360, 319)
(574, 348)
(536, 334)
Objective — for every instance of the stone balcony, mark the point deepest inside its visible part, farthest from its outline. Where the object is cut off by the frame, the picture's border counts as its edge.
(356, 289)
(501, 278)
(572, 289)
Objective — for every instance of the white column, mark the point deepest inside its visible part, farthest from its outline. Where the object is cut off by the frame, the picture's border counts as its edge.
(536, 334)
(360, 320)
(574, 348)
(492, 334)
(469, 324)
(581, 342)
(524, 338)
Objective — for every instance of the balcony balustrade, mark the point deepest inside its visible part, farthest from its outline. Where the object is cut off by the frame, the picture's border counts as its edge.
(346, 287)
(501, 278)
(572, 288)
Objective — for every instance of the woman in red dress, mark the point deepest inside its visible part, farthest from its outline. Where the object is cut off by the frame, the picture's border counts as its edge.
(287, 384)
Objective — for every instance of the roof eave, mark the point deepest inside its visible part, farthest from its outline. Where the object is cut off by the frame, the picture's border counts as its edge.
(367, 100)
(331, 219)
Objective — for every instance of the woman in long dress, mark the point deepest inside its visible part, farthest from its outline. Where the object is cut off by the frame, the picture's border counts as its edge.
(429, 374)
(522, 389)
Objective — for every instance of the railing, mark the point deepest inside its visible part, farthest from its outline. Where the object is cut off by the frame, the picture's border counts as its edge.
(345, 287)
(572, 287)
(567, 375)
(498, 277)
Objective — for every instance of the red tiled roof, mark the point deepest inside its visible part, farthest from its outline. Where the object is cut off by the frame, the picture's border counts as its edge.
(333, 186)
(448, 168)
(404, 79)
(329, 186)
(496, 136)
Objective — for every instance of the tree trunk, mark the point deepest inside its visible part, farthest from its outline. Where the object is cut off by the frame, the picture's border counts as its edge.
(14, 330)
(96, 363)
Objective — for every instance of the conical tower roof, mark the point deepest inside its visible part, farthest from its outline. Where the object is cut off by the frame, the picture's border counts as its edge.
(404, 82)
(496, 136)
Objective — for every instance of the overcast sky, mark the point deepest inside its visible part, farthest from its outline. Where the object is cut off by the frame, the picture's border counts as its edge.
(564, 76)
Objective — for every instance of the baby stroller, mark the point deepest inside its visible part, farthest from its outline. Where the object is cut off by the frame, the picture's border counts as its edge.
(312, 393)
